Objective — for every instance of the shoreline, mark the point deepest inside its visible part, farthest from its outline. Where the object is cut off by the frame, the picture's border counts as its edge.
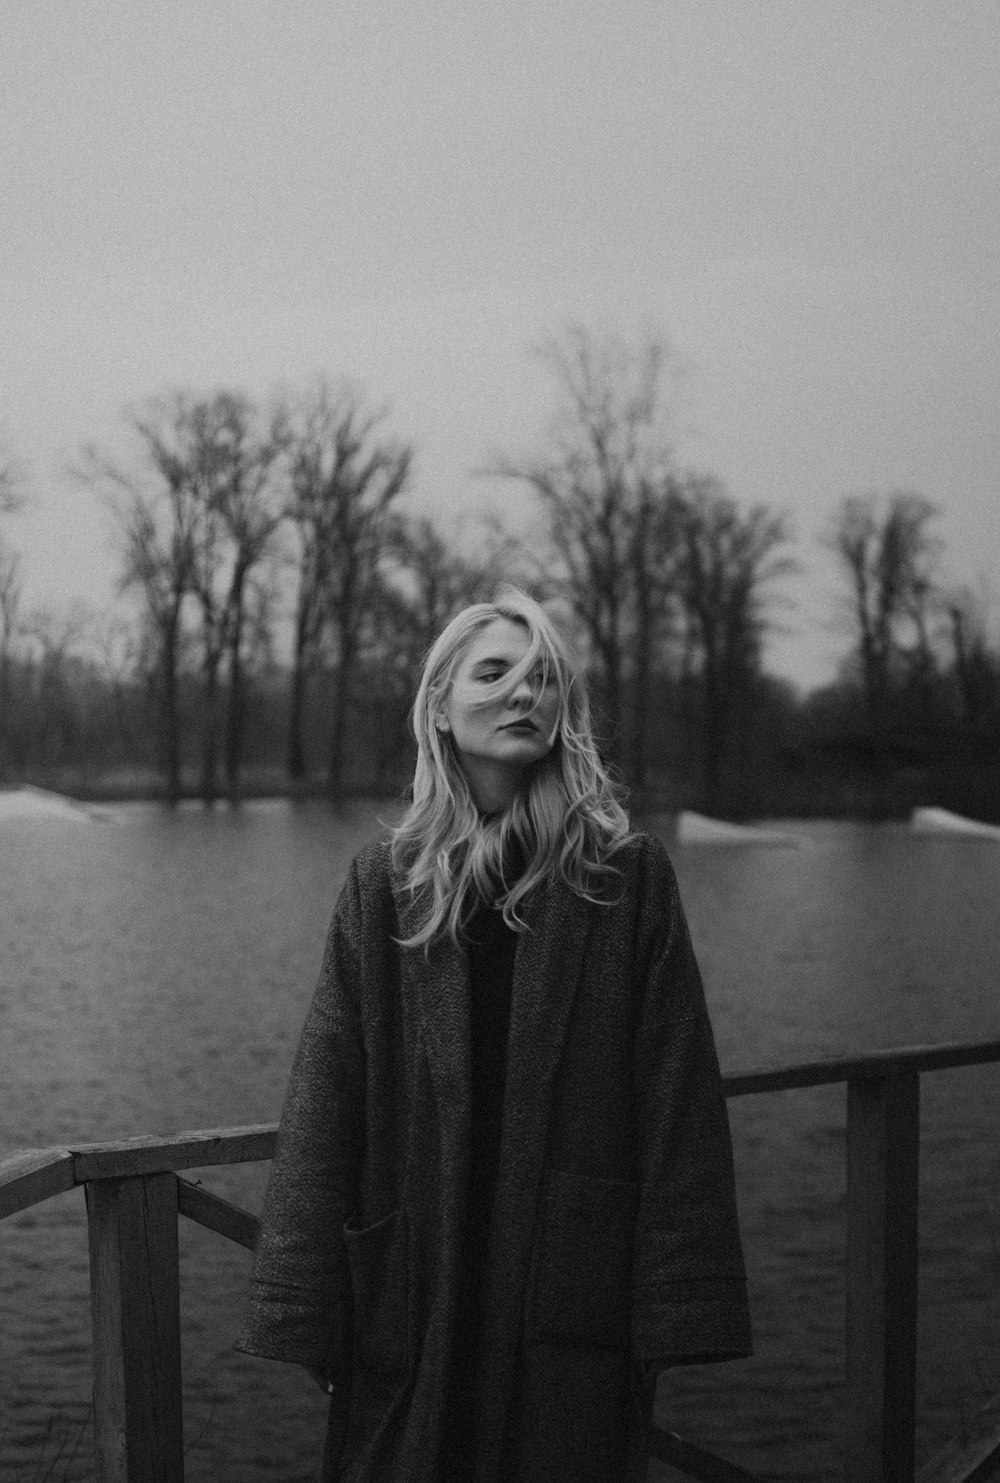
(655, 805)
(671, 797)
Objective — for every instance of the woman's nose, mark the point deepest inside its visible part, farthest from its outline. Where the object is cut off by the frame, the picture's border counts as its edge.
(523, 693)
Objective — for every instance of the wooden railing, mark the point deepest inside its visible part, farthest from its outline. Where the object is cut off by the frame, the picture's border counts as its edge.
(134, 1194)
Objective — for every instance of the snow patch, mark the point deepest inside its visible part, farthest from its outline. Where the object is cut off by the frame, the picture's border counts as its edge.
(39, 803)
(695, 828)
(942, 821)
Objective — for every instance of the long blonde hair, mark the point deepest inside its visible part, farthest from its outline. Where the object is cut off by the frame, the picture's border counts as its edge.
(567, 820)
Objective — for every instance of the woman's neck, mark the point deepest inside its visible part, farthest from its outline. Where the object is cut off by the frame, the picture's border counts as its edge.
(493, 785)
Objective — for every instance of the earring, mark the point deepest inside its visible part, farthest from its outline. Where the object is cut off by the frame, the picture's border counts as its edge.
(442, 724)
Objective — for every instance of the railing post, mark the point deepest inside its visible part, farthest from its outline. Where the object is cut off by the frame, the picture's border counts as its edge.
(135, 1305)
(883, 1142)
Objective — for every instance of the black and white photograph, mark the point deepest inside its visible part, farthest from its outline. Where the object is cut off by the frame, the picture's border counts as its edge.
(499, 741)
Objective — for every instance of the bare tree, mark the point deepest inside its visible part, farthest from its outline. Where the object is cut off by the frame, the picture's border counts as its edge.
(606, 491)
(157, 516)
(887, 556)
(345, 477)
(10, 598)
(319, 454)
(207, 525)
(119, 663)
(12, 482)
(976, 664)
(244, 498)
(61, 641)
(727, 562)
(654, 557)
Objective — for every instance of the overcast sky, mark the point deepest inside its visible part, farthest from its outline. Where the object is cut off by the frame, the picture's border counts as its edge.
(802, 195)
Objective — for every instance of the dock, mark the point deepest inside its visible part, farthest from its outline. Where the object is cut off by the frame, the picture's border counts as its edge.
(135, 1192)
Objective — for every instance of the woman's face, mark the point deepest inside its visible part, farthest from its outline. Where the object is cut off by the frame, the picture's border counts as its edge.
(504, 738)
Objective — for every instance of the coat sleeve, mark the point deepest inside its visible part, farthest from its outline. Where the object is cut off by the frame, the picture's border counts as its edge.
(689, 1280)
(300, 1301)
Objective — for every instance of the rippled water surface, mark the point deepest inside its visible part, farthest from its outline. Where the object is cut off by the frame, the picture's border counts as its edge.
(154, 972)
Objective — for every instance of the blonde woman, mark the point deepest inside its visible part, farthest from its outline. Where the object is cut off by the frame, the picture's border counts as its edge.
(503, 1195)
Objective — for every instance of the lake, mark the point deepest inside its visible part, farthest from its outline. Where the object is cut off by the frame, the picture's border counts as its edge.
(154, 973)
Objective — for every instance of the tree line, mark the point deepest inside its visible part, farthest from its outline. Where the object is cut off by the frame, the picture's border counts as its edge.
(278, 596)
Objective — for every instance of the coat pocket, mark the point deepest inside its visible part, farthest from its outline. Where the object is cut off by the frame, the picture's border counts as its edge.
(583, 1285)
(378, 1260)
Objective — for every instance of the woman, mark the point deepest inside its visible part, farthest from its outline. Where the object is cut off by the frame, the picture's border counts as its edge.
(503, 1195)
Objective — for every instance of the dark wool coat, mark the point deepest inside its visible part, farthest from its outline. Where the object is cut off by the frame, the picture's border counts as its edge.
(614, 1245)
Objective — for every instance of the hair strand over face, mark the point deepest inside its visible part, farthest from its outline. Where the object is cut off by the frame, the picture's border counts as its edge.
(567, 820)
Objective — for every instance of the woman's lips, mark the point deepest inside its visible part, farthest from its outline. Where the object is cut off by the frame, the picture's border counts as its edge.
(521, 725)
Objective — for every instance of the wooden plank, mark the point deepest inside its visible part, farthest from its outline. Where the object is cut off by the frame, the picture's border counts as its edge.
(871, 1065)
(883, 1139)
(694, 1461)
(135, 1306)
(974, 1455)
(34, 1175)
(198, 1149)
(217, 1214)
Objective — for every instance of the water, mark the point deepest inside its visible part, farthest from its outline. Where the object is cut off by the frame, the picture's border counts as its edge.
(154, 975)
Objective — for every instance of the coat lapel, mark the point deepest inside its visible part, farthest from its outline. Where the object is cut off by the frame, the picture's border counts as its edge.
(547, 974)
